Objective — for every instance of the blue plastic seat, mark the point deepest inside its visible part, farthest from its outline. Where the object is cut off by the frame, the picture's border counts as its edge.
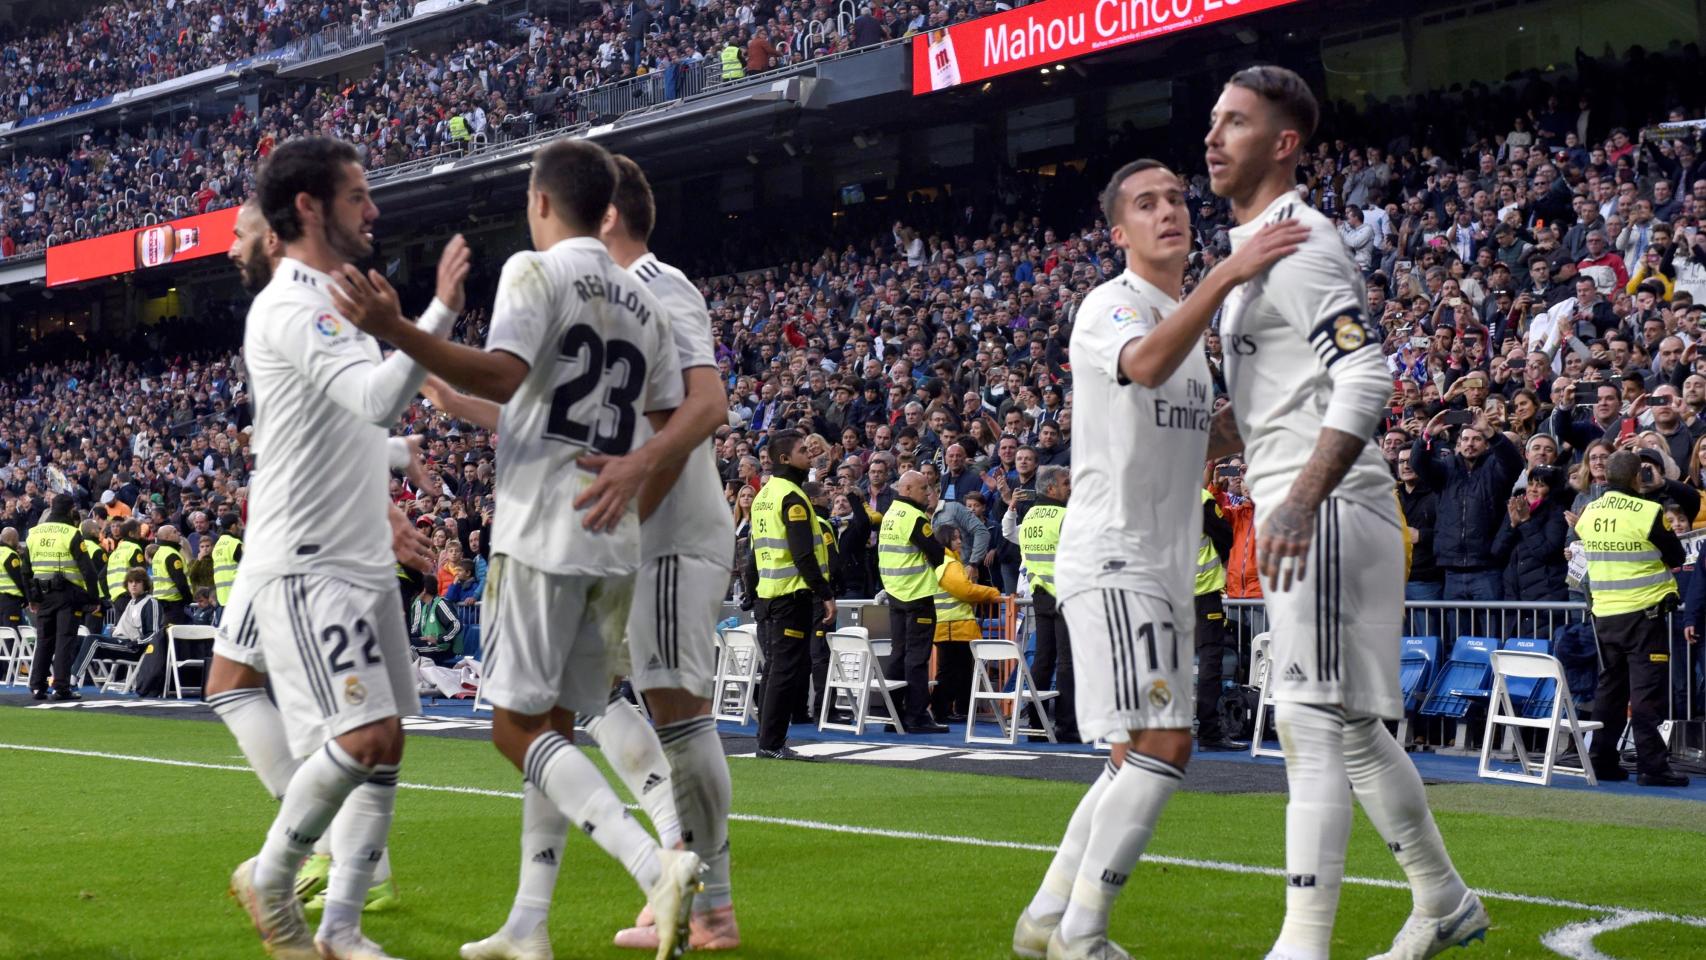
(1416, 668)
(1523, 689)
(1462, 681)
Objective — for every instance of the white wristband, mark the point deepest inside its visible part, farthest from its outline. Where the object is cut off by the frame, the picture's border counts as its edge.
(437, 319)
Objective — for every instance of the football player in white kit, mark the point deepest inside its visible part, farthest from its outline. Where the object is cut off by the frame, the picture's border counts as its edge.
(677, 772)
(236, 679)
(1308, 385)
(579, 352)
(317, 568)
(1127, 555)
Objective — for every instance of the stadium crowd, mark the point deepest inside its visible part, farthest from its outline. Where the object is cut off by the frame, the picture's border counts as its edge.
(1538, 278)
(422, 103)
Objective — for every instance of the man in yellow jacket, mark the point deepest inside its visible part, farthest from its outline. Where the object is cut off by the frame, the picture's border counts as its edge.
(957, 597)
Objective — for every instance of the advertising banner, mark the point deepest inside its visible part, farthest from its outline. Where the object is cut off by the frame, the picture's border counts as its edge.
(1053, 31)
(145, 248)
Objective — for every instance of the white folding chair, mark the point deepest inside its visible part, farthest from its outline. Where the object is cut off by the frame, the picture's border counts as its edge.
(988, 654)
(23, 653)
(855, 672)
(739, 673)
(188, 633)
(1261, 667)
(9, 644)
(1501, 712)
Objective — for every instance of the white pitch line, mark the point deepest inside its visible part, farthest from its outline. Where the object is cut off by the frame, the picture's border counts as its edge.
(1574, 936)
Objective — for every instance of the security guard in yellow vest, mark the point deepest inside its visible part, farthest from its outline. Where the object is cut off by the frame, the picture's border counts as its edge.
(92, 615)
(61, 577)
(1630, 553)
(227, 554)
(458, 128)
(14, 580)
(127, 553)
(1039, 538)
(1213, 640)
(907, 557)
(793, 590)
(732, 67)
(171, 579)
(807, 708)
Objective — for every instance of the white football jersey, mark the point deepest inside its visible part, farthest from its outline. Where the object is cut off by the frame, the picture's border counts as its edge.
(1135, 515)
(318, 499)
(600, 357)
(694, 519)
(1286, 335)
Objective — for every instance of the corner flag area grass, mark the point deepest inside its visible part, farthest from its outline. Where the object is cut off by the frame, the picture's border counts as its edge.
(121, 832)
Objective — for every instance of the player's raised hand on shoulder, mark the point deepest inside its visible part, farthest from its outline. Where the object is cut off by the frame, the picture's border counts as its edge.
(415, 472)
(452, 273)
(367, 301)
(1282, 547)
(1272, 242)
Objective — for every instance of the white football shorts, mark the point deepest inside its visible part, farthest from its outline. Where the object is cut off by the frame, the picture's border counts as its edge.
(238, 637)
(338, 655)
(1131, 662)
(549, 638)
(1336, 633)
(672, 628)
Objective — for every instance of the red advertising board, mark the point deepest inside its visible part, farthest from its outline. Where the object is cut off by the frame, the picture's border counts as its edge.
(146, 248)
(1051, 31)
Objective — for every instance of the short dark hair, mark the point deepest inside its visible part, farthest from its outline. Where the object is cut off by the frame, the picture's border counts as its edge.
(1111, 193)
(782, 446)
(579, 177)
(308, 165)
(633, 199)
(1286, 92)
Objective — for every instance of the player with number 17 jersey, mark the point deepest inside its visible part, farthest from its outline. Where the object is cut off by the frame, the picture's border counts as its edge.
(599, 355)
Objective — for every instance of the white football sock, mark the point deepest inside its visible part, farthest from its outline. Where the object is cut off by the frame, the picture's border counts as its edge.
(631, 747)
(1390, 791)
(1120, 827)
(1317, 824)
(259, 728)
(358, 844)
(323, 846)
(570, 780)
(703, 798)
(382, 869)
(311, 800)
(544, 833)
(1056, 890)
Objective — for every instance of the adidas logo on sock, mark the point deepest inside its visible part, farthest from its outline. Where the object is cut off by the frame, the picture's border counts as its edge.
(652, 780)
(1395, 847)
(1300, 879)
(1295, 674)
(588, 827)
(548, 855)
(1113, 879)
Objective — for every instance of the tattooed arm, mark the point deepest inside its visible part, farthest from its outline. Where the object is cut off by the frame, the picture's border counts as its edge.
(1289, 526)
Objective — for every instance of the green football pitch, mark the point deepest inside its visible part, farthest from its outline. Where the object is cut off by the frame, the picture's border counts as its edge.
(120, 833)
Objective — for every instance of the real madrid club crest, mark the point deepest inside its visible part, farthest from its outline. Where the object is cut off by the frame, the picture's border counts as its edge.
(1348, 333)
(1159, 695)
(356, 694)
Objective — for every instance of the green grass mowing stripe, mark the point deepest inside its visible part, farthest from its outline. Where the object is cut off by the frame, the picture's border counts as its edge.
(913, 835)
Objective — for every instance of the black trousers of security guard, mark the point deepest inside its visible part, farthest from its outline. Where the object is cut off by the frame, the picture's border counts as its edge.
(785, 626)
(56, 634)
(1212, 643)
(914, 626)
(1634, 675)
(1053, 663)
(11, 611)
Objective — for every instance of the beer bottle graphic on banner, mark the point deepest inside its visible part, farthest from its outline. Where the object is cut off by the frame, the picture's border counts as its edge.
(160, 243)
(944, 65)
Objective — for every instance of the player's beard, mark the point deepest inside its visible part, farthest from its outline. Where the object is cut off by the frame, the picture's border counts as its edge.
(255, 270)
(349, 245)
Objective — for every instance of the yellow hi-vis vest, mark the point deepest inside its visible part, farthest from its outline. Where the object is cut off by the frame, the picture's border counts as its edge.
(732, 70)
(1211, 573)
(1039, 538)
(1625, 572)
(458, 127)
(7, 587)
(905, 570)
(124, 556)
(950, 608)
(50, 552)
(225, 567)
(778, 576)
(165, 590)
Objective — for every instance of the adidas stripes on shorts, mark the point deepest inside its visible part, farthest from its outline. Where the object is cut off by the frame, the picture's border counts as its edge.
(672, 626)
(238, 637)
(337, 653)
(1335, 635)
(1131, 662)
